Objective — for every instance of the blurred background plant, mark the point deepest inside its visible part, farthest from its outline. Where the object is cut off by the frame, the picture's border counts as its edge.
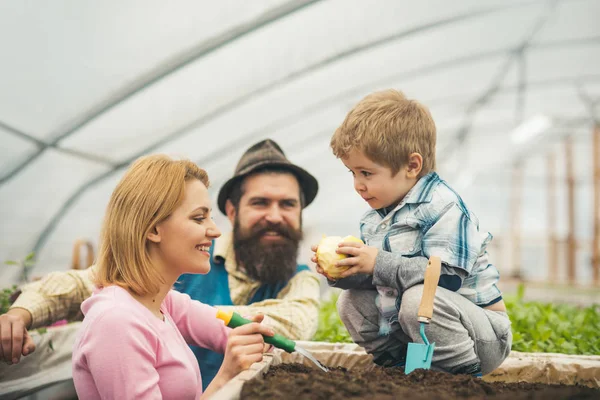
(536, 326)
(7, 297)
(25, 265)
(553, 328)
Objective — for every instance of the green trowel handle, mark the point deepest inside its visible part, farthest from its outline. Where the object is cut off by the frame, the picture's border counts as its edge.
(281, 342)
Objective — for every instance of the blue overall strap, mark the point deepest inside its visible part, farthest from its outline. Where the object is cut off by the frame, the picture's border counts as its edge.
(213, 289)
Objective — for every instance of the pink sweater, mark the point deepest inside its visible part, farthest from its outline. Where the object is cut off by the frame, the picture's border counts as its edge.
(123, 351)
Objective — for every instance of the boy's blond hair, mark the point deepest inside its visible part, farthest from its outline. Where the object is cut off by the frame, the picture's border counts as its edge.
(387, 127)
(148, 193)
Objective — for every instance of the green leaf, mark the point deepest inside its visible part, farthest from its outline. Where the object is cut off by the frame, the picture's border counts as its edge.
(520, 292)
(545, 335)
(331, 329)
(30, 256)
(12, 262)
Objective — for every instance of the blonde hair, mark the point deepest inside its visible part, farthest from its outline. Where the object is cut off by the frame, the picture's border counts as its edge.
(387, 127)
(151, 189)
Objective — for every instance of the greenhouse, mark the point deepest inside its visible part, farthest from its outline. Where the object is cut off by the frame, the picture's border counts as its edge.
(88, 89)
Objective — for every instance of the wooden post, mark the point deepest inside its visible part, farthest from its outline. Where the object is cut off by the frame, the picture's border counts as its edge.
(596, 212)
(571, 245)
(515, 207)
(551, 213)
(76, 261)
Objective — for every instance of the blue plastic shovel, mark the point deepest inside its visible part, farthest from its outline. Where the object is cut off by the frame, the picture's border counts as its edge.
(420, 355)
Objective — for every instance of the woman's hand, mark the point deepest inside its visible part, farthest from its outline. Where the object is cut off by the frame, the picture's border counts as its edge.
(245, 346)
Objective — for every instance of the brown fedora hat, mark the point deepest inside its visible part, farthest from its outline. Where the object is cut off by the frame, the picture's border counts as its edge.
(263, 154)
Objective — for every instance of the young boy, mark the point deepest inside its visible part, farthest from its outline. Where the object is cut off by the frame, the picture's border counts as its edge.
(388, 143)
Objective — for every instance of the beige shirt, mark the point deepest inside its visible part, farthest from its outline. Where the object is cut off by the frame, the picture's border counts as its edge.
(294, 313)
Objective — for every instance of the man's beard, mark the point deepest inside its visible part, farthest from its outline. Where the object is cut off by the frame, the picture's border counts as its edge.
(269, 263)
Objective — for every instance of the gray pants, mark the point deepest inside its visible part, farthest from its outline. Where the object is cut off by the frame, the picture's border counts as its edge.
(463, 332)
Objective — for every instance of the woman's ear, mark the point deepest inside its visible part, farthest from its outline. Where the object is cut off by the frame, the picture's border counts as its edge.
(415, 165)
(230, 211)
(154, 234)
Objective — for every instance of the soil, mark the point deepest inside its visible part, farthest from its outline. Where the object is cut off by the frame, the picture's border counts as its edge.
(297, 381)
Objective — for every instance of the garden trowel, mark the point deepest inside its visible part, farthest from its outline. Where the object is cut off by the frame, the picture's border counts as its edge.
(420, 355)
(233, 320)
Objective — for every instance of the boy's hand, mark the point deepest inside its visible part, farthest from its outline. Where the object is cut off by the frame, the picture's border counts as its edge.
(314, 259)
(361, 258)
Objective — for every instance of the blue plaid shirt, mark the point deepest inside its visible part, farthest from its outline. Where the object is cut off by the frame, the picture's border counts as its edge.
(432, 220)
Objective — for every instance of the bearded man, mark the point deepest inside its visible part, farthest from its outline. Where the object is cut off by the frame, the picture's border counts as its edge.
(253, 269)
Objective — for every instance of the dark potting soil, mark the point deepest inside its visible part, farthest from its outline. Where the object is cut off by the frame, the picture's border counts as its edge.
(297, 381)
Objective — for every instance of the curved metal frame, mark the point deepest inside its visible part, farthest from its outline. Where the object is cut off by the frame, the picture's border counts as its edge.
(241, 100)
(205, 48)
(163, 70)
(247, 140)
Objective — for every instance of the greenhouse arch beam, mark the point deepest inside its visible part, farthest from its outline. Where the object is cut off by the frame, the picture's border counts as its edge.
(163, 70)
(23, 135)
(357, 90)
(312, 68)
(39, 143)
(260, 91)
(51, 226)
(515, 55)
(99, 110)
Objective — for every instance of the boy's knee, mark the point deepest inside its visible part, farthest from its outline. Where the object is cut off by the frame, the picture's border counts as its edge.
(346, 304)
(409, 307)
(354, 303)
(411, 299)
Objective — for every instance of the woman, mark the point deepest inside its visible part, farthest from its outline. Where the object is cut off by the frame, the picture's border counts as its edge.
(133, 342)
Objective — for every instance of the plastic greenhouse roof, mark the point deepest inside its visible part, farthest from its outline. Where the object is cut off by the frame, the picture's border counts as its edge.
(86, 87)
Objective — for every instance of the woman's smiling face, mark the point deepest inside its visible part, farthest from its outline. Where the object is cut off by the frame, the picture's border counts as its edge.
(185, 237)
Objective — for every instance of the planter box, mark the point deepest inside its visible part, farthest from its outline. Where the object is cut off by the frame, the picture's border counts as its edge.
(46, 367)
(548, 368)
